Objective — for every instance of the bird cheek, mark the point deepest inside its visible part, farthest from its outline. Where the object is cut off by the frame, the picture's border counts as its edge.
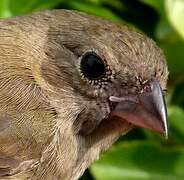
(90, 118)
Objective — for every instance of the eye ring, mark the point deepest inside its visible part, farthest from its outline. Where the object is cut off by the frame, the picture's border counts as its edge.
(92, 66)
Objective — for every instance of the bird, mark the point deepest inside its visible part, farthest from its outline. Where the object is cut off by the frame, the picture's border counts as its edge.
(70, 85)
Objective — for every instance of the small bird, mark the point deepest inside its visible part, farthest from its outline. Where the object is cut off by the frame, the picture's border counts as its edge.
(70, 85)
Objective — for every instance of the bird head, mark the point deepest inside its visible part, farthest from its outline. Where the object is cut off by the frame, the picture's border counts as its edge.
(107, 71)
(101, 79)
(104, 79)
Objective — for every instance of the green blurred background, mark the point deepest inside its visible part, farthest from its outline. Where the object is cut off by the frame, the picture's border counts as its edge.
(140, 155)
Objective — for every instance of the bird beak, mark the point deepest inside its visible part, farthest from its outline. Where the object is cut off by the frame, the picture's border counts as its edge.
(147, 111)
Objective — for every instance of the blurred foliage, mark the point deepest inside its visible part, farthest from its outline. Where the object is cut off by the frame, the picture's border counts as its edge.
(141, 154)
(140, 160)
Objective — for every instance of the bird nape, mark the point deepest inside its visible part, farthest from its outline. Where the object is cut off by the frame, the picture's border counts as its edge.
(71, 85)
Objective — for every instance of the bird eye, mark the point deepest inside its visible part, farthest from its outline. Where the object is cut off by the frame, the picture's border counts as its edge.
(92, 66)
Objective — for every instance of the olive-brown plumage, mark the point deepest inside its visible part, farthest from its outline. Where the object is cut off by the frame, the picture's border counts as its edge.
(68, 82)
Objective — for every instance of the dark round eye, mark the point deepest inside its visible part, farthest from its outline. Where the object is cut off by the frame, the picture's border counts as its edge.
(92, 66)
